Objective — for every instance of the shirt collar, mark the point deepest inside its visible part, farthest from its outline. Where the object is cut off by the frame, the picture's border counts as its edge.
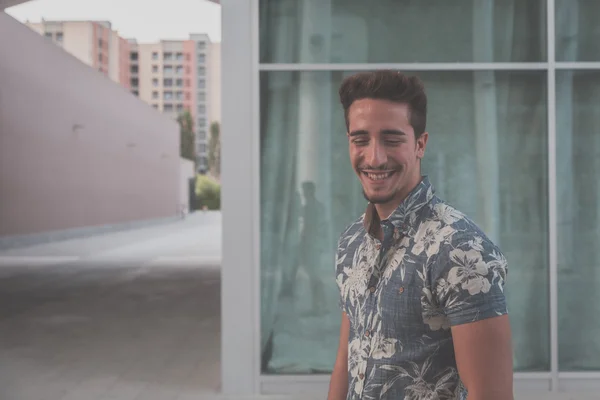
(405, 214)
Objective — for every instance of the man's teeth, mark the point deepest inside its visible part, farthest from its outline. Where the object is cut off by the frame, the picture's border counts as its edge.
(378, 176)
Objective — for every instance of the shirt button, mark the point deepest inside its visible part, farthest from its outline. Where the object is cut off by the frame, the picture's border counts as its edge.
(361, 376)
(371, 289)
(401, 290)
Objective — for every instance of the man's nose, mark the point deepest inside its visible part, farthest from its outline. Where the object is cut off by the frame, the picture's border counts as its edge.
(376, 155)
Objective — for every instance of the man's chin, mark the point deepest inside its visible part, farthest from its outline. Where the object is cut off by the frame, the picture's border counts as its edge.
(379, 198)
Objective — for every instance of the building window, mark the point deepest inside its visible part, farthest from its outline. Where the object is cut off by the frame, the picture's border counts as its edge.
(100, 43)
(179, 107)
(168, 95)
(168, 70)
(168, 56)
(201, 84)
(48, 35)
(155, 106)
(202, 134)
(155, 69)
(187, 95)
(135, 92)
(202, 148)
(201, 45)
(179, 57)
(179, 95)
(155, 94)
(168, 107)
(201, 96)
(59, 37)
(100, 57)
(201, 122)
(155, 82)
(201, 109)
(179, 70)
(133, 56)
(134, 82)
(154, 55)
(201, 58)
(188, 83)
(167, 82)
(201, 71)
(134, 69)
(179, 83)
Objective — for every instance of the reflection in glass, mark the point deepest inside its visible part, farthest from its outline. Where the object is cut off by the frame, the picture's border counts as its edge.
(577, 33)
(487, 155)
(578, 205)
(396, 31)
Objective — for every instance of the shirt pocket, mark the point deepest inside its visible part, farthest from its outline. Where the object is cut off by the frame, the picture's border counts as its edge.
(400, 305)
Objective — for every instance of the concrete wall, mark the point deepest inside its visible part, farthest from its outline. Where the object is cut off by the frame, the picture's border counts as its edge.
(79, 41)
(76, 149)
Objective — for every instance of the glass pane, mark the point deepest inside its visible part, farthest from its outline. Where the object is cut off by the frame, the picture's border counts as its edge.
(577, 33)
(578, 186)
(486, 129)
(397, 31)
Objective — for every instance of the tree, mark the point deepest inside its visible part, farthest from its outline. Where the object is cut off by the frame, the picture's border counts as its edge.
(214, 150)
(187, 147)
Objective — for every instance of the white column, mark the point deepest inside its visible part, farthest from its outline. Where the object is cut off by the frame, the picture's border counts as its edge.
(239, 298)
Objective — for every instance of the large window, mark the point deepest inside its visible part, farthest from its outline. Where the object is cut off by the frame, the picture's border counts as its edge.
(395, 31)
(578, 201)
(486, 128)
(488, 155)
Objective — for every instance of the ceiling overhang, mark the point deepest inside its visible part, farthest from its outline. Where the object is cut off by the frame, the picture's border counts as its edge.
(9, 3)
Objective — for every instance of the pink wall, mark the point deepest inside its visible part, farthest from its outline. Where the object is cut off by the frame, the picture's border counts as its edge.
(189, 76)
(76, 149)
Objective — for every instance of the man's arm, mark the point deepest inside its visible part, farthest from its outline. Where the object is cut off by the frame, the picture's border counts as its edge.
(338, 386)
(484, 358)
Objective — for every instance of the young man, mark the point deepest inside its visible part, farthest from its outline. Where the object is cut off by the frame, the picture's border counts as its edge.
(424, 314)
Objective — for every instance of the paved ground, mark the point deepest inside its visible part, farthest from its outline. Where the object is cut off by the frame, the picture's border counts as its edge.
(131, 315)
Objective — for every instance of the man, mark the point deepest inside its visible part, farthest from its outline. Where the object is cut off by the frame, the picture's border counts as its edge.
(424, 314)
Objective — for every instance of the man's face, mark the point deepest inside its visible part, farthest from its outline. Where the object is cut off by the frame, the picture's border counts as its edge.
(383, 150)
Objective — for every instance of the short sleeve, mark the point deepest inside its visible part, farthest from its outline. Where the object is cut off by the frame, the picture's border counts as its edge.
(468, 279)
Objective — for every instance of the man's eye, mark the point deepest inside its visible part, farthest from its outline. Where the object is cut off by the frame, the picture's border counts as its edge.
(360, 142)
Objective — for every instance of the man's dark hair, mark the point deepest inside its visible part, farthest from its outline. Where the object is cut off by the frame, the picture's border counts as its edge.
(387, 85)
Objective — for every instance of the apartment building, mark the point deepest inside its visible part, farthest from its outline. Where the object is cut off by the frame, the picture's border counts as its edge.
(94, 43)
(171, 75)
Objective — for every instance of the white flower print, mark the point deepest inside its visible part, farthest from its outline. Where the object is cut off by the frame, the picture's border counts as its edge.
(448, 215)
(429, 237)
(470, 271)
(476, 243)
(383, 347)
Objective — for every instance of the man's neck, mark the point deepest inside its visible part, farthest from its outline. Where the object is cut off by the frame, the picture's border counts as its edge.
(385, 210)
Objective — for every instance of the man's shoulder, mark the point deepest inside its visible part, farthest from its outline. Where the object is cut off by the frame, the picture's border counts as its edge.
(459, 229)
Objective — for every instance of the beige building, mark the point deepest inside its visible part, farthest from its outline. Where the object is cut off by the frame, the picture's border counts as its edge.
(92, 42)
(171, 75)
(177, 75)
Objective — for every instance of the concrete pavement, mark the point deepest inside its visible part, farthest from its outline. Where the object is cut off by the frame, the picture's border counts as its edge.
(129, 315)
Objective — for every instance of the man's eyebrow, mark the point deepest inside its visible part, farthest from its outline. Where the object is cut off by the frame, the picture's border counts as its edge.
(393, 132)
(358, 133)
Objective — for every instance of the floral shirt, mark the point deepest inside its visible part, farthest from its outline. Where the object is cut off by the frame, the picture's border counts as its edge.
(434, 269)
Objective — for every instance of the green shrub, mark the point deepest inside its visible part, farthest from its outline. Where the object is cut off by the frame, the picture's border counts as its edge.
(208, 193)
